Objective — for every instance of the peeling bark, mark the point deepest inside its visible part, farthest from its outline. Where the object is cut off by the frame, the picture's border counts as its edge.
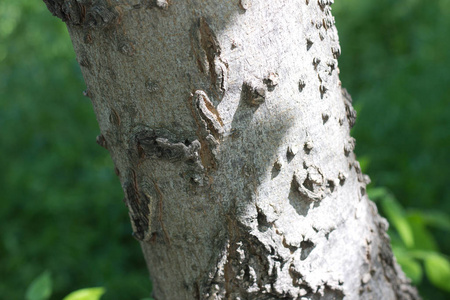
(230, 133)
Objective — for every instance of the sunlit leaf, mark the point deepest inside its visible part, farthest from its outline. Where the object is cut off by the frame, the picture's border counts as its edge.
(40, 288)
(364, 163)
(437, 269)
(437, 219)
(377, 193)
(411, 267)
(423, 239)
(86, 294)
(396, 217)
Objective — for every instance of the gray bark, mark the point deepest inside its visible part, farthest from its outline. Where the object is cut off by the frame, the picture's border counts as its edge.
(229, 131)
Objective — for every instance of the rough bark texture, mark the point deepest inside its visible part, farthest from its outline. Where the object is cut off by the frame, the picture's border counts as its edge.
(229, 131)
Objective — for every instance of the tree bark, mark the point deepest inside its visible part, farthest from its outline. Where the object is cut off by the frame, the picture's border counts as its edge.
(230, 133)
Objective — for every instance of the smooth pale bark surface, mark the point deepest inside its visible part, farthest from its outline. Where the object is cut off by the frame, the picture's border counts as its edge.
(229, 130)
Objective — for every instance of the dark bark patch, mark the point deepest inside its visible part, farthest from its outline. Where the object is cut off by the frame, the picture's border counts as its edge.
(322, 89)
(139, 210)
(152, 146)
(151, 86)
(308, 146)
(306, 246)
(84, 61)
(207, 53)
(301, 84)
(342, 177)
(209, 127)
(349, 110)
(253, 93)
(325, 118)
(316, 62)
(88, 14)
(88, 38)
(336, 51)
(299, 201)
(245, 4)
(271, 81)
(87, 93)
(276, 169)
(291, 248)
(331, 185)
(309, 44)
(292, 150)
(263, 224)
(101, 141)
(114, 117)
(349, 146)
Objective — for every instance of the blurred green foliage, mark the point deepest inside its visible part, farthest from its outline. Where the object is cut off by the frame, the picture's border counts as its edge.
(61, 204)
(395, 61)
(41, 289)
(61, 207)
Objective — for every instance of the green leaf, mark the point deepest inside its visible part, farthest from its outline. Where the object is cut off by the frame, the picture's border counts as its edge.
(423, 239)
(86, 294)
(40, 288)
(377, 193)
(396, 216)
(364, 163)
(411, 267)
(437, 219)
(437, 268)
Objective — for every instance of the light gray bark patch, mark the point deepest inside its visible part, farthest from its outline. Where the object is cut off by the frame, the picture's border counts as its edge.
(161, 4)
(126, 47)
(350, 112)
(88, 14)
(311, 185)
(349, 146)
(152, 86)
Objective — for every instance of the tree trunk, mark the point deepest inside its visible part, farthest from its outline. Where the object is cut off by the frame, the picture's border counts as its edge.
(229, 131)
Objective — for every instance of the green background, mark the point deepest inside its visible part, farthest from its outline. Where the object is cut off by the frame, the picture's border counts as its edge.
(61, 206)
